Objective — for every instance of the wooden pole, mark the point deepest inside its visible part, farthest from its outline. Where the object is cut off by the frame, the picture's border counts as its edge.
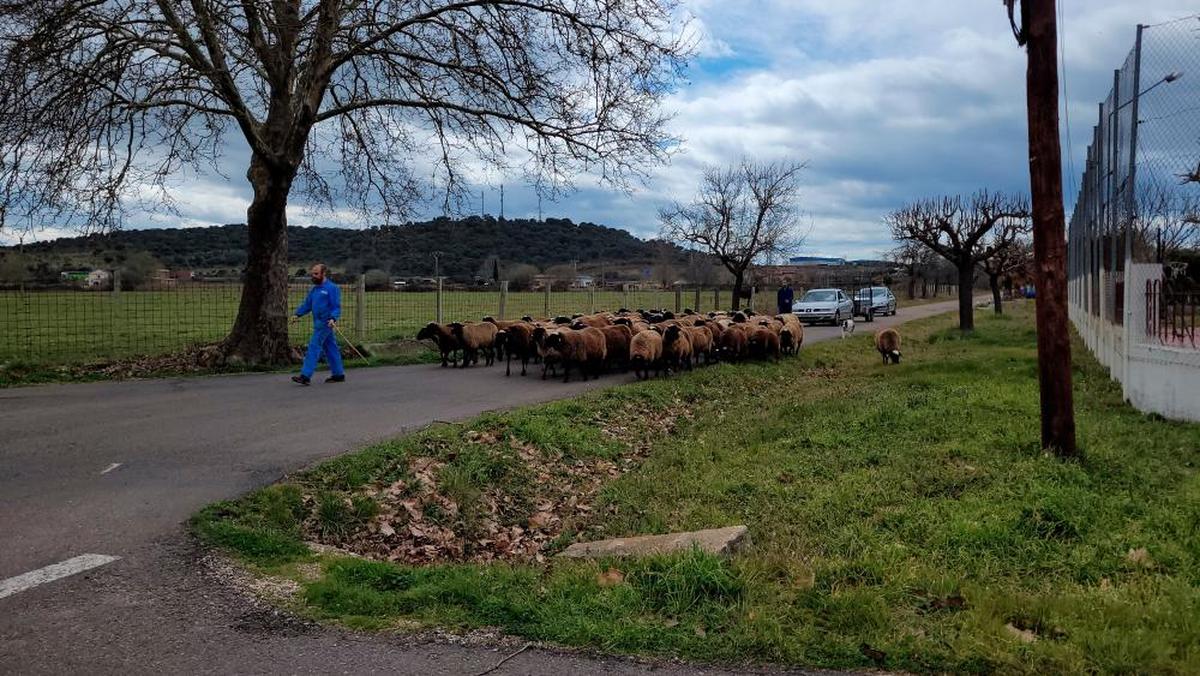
(1040, 31)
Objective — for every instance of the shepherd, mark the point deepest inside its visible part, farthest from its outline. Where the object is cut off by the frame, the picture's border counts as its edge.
(324, 301)
(783, 299)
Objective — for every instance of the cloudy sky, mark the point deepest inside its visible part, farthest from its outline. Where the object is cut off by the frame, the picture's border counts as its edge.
(885, 101)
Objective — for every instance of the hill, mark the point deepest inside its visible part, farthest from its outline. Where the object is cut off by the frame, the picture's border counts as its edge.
(467, 246)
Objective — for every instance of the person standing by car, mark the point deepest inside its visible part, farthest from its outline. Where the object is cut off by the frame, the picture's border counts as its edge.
(784, 298)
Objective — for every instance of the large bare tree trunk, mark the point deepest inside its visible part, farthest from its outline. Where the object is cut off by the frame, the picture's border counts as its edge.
(1049, 225)
(739, 278)
(912, 284)
(966, 306)
(260, 332)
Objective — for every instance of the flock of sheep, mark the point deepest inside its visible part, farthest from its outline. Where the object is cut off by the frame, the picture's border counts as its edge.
(640, 340)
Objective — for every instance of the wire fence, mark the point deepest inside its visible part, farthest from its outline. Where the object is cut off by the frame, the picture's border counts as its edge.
(72, 323)
(1136, 221)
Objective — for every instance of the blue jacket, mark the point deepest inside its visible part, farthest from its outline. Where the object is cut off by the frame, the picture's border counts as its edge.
(784, 298)
(324, 301)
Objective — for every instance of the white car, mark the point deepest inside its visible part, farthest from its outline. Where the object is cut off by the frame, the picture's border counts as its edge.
(824, 305)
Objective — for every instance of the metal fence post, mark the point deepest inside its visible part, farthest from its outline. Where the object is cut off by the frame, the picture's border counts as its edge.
(678, 299)
(116, 283)
(360, 308)
(503, 299)
(439, 300)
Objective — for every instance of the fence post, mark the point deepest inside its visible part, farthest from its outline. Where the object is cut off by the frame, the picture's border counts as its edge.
(751, 306)
(439, 300)
(503, 299)
(678, 299)
(546, 298)
(625, 296)
(717, 300)
(116, 282)
(592, 298)
(360, 308)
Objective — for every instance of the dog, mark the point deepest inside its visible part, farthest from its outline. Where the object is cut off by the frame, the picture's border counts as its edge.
(847, 328)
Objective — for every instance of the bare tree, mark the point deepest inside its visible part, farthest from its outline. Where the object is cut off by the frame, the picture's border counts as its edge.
(1168, 221)
(740, 214)
(915, 259)
(1013, 254)
(372, 105)
(955, 229)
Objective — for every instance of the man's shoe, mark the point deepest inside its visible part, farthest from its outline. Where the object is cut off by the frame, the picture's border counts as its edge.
(302, 380)
(336, 379)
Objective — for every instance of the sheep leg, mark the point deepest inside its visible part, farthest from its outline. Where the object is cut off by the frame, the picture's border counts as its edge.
(508, 364)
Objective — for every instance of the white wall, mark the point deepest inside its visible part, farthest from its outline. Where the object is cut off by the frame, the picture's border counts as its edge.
(1154, 378)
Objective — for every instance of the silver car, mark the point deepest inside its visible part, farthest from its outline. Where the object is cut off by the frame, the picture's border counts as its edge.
(874, 301)
(823, 305)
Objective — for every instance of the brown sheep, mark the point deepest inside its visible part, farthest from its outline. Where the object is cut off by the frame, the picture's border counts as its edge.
(447, 342)
(516, 341)
(585, 348)
(596, 321)
(887, 342)
(476, 338)
(791, 336)
(734, 343)
(549, 356)
(764, 343)
(677, 348)
(645, 352)
(702, 343)
(617, 338)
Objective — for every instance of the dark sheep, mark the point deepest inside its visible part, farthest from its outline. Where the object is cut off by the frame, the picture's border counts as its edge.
(516, 341)
(677, 348)
(586, 349)
(447, 342)
(887, 342)
(617, 339)
(764, 343)
(476, 338)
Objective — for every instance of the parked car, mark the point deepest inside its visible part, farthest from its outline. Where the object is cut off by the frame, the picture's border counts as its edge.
(874, 301)
(823, 305)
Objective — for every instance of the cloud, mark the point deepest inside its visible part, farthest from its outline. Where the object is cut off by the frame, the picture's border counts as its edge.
(886, 101)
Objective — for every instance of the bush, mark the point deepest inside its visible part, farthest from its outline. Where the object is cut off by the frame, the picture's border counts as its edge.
(377, 280)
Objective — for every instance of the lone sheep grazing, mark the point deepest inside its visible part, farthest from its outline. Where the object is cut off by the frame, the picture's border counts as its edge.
(887, 342)
(447, 342)
(475, 338)
(645, 352)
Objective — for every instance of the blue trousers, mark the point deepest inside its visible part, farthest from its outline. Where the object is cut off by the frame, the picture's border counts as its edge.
(323, 342)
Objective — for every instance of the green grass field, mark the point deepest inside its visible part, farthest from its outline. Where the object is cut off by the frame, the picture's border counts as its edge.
(902, 517)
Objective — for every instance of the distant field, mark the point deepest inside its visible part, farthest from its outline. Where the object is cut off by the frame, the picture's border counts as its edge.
(74, 326)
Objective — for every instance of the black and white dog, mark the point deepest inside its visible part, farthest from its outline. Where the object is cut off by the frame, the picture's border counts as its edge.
(847, 327)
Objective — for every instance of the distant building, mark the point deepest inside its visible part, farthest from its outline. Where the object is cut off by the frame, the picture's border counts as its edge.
(584, 282)
(820, 261)
(74, 276)
(98, 279)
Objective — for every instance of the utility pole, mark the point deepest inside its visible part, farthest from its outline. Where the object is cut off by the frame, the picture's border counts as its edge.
(502, 201)
(437, 264)
(1038, 32)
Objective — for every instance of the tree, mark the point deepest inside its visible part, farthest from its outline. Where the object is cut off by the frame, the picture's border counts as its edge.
(104, 101)
(1012, 255)
(955, 229)
(740, 214)
(377, 280)
(915, 259)
(1038, 32)
(1168, 222)
(520, 275)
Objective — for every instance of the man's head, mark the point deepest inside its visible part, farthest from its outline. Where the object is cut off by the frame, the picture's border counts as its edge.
(318, 273)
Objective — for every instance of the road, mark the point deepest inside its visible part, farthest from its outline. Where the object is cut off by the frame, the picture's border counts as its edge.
(117, 468)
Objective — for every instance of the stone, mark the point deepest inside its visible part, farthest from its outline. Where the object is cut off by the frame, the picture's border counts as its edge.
(719, 541)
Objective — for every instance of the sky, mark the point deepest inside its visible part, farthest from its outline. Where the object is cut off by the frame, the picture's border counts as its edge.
(886, 102)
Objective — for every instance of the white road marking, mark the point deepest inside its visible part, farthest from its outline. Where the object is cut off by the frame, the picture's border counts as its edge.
(111, 467)
(55, 571)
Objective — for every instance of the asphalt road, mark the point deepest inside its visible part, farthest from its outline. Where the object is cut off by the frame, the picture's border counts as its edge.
(116, 468)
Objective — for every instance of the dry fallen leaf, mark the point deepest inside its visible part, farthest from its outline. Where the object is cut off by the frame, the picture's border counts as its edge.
(1140, 557)
(610, 578)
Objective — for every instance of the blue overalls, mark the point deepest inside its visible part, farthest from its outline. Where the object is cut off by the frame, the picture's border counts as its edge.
(324, 301)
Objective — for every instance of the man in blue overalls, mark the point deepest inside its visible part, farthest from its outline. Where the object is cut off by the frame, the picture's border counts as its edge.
(324, 301)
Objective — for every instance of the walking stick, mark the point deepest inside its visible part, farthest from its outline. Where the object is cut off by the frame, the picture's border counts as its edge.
(350, 343)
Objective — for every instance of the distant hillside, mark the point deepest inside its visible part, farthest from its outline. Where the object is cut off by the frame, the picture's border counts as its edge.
(406, 250)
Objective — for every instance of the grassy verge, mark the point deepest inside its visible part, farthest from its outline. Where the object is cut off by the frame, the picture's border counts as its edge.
(901, 517)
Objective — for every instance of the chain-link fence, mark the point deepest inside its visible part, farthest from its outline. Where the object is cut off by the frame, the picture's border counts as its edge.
(1136, 221)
